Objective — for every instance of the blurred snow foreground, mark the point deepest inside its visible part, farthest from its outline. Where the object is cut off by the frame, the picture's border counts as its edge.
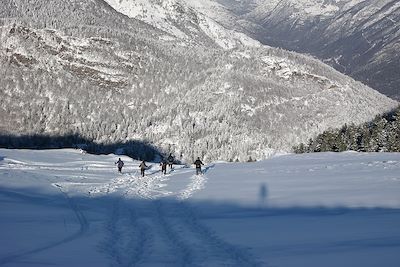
(66, 208)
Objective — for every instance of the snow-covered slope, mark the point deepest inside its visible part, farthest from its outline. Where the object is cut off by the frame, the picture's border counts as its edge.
(358, 37)
(182, 21)
(65, 208)
(93, 71)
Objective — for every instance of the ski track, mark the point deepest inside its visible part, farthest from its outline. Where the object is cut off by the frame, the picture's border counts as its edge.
(84, 227)
(196, 244)
(128, 241)
(130, 238)
(197, 182)
(130, 234)
(142, 241)
(133, 185)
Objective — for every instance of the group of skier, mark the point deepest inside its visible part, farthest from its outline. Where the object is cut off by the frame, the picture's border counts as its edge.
(163, 164)
(142, 166)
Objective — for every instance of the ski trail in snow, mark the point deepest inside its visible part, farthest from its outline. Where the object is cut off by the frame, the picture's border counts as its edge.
(148, 187)
(141, 241)
(116, 184)
(197, 183)
(84, 224)
(130, 233)
(84, 227)
(129, 240)
(220, 251)
(178, 246)
(134, 185)
(194, 243)
(114, 235)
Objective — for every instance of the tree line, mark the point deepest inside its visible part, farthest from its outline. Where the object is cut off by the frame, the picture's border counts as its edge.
(135, 149)
(379, 135)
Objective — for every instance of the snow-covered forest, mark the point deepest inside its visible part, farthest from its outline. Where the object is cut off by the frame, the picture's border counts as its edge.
(360, 38)
(380, 135)
(80, 68)
(96, 94)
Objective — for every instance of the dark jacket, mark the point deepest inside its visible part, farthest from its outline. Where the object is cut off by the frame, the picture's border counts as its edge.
(120, 163)
(143, 166)
(163, 165)
(198, 163)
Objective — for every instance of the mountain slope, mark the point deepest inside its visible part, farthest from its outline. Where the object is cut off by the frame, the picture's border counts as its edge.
(182, 21)
(93, 71)
(359, 37)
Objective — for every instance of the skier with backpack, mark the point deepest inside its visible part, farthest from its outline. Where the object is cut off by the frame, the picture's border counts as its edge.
(198, 164)
(163, 165)
(120, 164)
(170, 160)
(142, 167)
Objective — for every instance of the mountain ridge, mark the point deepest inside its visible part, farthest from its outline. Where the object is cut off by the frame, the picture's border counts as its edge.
(108, 78)
(358, 37)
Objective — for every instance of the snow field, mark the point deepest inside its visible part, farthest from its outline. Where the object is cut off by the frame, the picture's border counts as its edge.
(66, 208)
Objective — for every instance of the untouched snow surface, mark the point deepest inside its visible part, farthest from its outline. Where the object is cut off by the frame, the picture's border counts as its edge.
(66, 208)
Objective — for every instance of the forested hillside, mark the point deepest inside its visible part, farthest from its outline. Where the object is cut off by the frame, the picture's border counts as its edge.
(80, 68)
(380, 135)
(360, 38)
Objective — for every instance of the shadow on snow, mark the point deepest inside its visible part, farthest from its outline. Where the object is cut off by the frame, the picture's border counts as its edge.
(187, 226)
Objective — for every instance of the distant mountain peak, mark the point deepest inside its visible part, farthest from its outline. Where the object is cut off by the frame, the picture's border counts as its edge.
(182, 21)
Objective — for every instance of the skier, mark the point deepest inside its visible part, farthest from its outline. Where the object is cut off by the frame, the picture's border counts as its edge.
(198, 164)
(170, 160)
(142, 167)
(120, 164)
(163, 165)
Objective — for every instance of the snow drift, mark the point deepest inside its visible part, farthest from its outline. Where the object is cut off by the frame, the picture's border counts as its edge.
(67, 208)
